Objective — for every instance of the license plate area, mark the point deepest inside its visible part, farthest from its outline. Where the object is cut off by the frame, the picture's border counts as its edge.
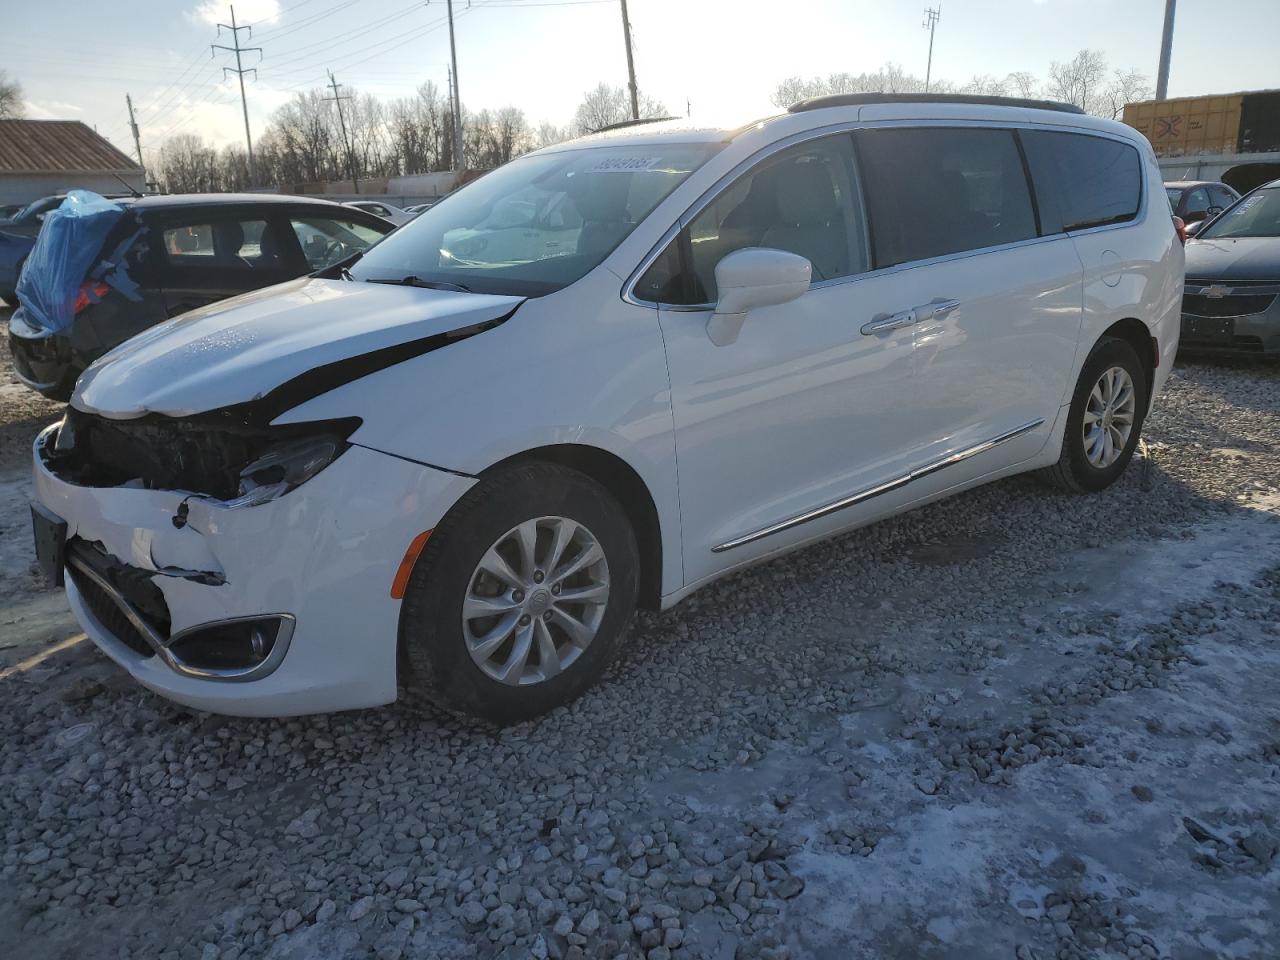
(1210, 330)
(50, 533)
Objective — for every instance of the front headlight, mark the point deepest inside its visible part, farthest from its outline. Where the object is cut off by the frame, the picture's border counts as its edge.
(285, 466)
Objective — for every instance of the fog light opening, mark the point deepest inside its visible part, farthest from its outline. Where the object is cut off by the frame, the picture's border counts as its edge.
(232, 650)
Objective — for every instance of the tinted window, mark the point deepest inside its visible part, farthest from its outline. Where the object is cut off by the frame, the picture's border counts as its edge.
(936, 191)
(325, 241)
(1091, 180)
(1222, 197)
(227, 244)
(1197, 202)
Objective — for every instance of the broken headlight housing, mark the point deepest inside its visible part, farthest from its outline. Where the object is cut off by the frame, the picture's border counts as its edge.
(285, 465)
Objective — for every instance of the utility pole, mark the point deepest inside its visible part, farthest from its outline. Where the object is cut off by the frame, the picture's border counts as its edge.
(240, 71)
(457, 96)
(137, 141)
(931, 17)
(1166, 52)
(351, 153)
(631, 64)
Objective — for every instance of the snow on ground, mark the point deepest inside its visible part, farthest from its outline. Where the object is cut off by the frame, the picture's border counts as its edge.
(1015, 724)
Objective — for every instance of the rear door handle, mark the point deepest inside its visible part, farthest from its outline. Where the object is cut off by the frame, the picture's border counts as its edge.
(892, 321)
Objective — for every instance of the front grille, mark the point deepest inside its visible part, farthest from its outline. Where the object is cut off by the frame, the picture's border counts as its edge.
(111, 617)
(1198, 305)
(134, 585)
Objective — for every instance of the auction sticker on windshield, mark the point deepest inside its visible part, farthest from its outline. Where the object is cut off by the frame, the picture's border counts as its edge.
(1246, 204)
(623, 164)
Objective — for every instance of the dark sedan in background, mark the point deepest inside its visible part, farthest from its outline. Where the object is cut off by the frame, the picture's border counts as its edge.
(1196, 200)
(1231, 302)
(176, 253)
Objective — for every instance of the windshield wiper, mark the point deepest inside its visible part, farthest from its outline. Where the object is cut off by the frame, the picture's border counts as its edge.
(419, 282)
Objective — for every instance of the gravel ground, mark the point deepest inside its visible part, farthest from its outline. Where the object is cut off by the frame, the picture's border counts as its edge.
(1015, 724)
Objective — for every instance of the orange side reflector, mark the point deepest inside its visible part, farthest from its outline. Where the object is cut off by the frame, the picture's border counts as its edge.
(401, 582)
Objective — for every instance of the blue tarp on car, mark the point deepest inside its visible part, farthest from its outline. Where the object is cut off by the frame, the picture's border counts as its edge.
(66, 248)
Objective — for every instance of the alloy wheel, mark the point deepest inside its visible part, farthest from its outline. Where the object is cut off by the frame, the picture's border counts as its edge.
(1108, 417)
(535, 600)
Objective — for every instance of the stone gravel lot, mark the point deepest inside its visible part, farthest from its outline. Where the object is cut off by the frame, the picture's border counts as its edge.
(1015, 724)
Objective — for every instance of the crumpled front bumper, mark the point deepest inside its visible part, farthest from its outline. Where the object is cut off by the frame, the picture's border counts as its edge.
(325, 554)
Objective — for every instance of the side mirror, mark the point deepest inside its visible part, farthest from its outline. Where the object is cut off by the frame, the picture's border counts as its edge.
(751, 278)
(1212, 212)
(1195, 227)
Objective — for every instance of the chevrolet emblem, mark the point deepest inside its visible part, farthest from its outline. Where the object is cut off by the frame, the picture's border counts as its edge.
(1216, 291)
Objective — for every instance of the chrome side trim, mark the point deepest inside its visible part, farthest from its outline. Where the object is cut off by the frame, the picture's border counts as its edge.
(161, 646)
(863, 495)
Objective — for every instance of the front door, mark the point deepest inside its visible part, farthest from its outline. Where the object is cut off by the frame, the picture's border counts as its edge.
(780, 433)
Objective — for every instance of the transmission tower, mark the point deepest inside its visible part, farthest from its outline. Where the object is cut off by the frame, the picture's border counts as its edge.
(239, 70)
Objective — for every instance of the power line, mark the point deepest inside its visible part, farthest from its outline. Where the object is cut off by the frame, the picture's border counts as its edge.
(240, 70)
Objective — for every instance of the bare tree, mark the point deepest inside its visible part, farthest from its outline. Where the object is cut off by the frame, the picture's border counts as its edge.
(11, 100)
(189, 165)
(1080, 80)
(890, 78)
(1022, 83)
(985, 85)
(1127, 86)
(604, 105)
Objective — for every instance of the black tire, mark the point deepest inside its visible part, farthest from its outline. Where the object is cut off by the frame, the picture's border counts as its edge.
(437, 665)
(1073, 472)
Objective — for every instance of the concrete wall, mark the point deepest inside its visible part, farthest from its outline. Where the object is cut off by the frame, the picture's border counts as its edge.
(1213, 167)
(23, 188)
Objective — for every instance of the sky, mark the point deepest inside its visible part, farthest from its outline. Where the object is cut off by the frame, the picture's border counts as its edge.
(718, 59)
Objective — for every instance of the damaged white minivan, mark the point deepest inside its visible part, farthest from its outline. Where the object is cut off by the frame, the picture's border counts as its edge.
(599, 378)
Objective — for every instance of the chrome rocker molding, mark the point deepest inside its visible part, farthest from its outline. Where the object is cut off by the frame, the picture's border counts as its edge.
(864, 495)
(161, 646)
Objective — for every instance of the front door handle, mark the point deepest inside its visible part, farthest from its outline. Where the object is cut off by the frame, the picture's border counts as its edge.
(887, 322)
(936, 310)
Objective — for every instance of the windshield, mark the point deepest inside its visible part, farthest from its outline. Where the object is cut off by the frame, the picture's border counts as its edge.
(537, 224)
(1257, 215)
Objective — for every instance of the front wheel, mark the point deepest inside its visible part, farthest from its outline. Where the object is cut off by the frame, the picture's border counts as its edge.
(522, 595)
(1104, 421)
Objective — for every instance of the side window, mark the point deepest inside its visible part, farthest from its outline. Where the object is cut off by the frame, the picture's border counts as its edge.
(805, 200)
(221, 244)
(1094, 181)
(325, 241)
(1197, 202)
(1221, 197)
(934, 191)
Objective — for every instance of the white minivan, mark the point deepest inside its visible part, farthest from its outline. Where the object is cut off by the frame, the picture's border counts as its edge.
(601, 377)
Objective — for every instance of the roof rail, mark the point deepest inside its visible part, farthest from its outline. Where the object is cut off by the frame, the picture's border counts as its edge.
(632, 123)
(864, 99)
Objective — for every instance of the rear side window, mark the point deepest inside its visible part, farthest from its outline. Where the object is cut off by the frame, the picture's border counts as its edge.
(934, 191)
(1092, 181)
(226, 244)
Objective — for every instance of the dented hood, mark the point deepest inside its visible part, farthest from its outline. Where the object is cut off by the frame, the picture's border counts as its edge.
(299, 338)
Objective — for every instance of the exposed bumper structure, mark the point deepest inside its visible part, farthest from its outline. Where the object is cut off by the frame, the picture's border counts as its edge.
(300, 585)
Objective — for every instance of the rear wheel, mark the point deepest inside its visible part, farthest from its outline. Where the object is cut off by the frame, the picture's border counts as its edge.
(522, 595)
(1105, 419)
